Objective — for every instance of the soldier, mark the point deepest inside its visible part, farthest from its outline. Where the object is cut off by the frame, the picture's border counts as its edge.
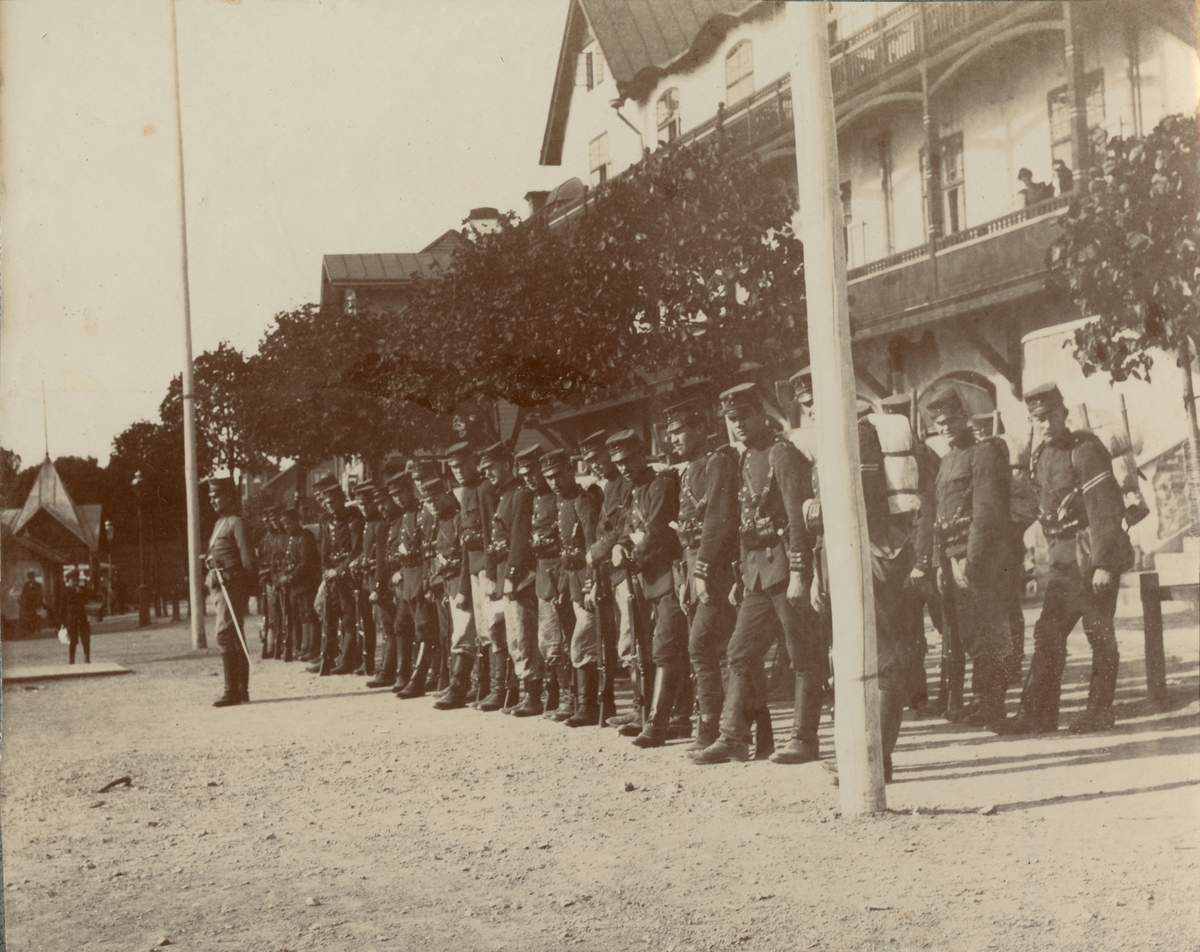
(607, 591)
(444, 547)
(377, 582)
(513, 571)
(340, 544)
(477, 506)
(364, 571)
(271, 547)
(578, 510)
(556, 618)
(650, 547)
(1081, 508)
(416, 614)
(774, 481)
(707, 529)
(921, 590)
(299, 578)
(231, 576)
(971, 530)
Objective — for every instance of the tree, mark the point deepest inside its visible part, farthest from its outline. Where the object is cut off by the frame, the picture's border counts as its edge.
(1128, 258)
(10, 469)
(687, 264)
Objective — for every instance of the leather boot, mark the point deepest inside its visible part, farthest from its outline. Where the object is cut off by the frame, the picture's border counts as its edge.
(568, 697)
(242, 677)
(802, 745)
(764, 734)
(666, 684)
(552, 691)
(460, 681)
(680, 727)
(481, 681)
(992, 687)
(387, 671)
(1098, 715)
(416, 685)
(404, 657)
(512, 691)
(706, 734)
(497, 670)
(635, 719)
(722, 751)
(231, 695)
(531, 706)
(891, 716)
(587, 710)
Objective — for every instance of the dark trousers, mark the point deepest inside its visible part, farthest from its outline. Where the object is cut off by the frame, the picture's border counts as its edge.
(670, 629)
(416, 623)
(79, 632)
(708, 639)
(299, 612)
(1068, 599)
(341, 606)
(227, 632)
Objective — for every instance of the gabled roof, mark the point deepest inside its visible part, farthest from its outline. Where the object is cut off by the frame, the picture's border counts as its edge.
(385, 268)
(447, 242)
(49, 495)
(641, 41)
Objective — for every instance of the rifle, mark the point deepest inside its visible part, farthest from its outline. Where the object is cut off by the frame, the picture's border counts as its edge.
(641, 649)
(608, 645)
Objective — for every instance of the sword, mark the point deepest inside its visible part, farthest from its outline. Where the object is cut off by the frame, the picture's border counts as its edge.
(233, 614)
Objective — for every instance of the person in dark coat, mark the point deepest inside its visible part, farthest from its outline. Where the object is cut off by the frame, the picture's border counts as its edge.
(299, 578)
(416, 613)
(232, 575)
(75, 618)
(30, 604)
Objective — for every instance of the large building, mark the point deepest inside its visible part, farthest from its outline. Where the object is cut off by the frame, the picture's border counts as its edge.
(940, 106)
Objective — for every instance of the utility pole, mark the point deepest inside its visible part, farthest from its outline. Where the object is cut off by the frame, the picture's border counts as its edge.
(195, 580)
(852, 602)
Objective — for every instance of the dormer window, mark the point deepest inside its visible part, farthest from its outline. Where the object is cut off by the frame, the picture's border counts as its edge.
(668, 115)
(739, 72)
(589, 68)
(350, 305)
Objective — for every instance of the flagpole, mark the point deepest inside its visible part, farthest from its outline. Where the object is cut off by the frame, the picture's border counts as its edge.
(195, 580)
(847, 547)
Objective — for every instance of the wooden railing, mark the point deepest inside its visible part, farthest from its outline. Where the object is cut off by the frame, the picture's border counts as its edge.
(1004, 222)
(750, 121)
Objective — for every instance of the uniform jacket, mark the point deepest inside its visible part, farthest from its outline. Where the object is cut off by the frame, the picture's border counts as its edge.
(478, 505)
(341, 539)
(654, 505)
(708, 516)
(577, 515)
(775, 479)
(445, 567)
(973, 503)
(301, 562)
(229, 547)
(928, 465)
(511, 552)
(372, 563)
(547, 546)
(1080, 504)
(406, 555)
(610, 526)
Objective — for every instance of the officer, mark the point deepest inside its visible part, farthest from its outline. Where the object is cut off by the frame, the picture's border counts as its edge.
(444, 547)
(707, 529)
(578, 510)
(365, 570)
(650, 547)
(1081, 508)
(340, 545)
(556, 618)
(921, 590)
(299, 578)
(607, 591)
(970, 533)
(416, 615)
(513, 571)
(477, 506)
(231, 577)
(774, 481)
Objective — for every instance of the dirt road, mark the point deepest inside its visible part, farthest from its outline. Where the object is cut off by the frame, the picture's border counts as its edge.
(326, 816)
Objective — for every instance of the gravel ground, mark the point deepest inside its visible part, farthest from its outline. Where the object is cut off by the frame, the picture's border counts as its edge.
(326, 816)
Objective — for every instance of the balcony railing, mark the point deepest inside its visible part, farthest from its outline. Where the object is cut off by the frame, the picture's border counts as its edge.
(751, 121)
(1004, 222)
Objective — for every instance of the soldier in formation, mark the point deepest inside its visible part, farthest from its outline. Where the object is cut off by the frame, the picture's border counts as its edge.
(231, 577)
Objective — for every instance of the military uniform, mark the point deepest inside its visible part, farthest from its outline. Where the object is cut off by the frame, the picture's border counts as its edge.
(271, 549)
(774, 481)
(300, 576)
(443, 545)
(366, 571)
(230, 555)
(416, 614)
(1081, 510)
(578, 510)
(340, 545)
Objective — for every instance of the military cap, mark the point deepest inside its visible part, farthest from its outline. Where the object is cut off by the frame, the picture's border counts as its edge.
(326, 484)
(593, 445)
(622, 445)
(496, 453)
(400, 483)
(801, 381)
(271, 510)
(428, 488)
(556, 461)
(423, 467)
(898, 404)
(685, 414)
(1043, 397)
(458, 451)
(945, 400)
(218, 484)
(527, 459)
(742, 397)
(864, 407)
(364, 488)
(982, 423)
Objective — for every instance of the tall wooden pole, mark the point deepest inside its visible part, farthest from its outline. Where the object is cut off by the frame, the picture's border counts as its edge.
(195, 579)
(852, 602)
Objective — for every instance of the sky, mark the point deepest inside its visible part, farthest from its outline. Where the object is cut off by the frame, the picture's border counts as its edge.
(310, 127)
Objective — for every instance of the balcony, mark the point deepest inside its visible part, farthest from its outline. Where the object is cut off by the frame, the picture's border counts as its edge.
(985, 264)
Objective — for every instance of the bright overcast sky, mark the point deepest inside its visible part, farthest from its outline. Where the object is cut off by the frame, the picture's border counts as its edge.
(310, 128)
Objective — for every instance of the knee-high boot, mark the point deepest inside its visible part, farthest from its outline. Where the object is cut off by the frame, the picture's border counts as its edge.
(498, 670)
(764, 734)
(568, 697)
(1098, 715)
(891, 715)
(666, 685)
(587, 694)
(232, 695)
(484, 676)
(416, 685)
(802, 746)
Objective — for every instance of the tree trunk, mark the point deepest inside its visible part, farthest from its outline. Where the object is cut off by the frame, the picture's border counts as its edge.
(1192, 442)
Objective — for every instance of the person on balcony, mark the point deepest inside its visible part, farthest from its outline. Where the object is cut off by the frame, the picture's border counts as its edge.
(1034, 192)
(1064, 176)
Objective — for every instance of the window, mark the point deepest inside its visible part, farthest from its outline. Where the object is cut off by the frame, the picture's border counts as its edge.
(1058, 103)
(589, 68)
(350, 304)
(668, 115)
(950, 168)
(739, 72)
(598, 159)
